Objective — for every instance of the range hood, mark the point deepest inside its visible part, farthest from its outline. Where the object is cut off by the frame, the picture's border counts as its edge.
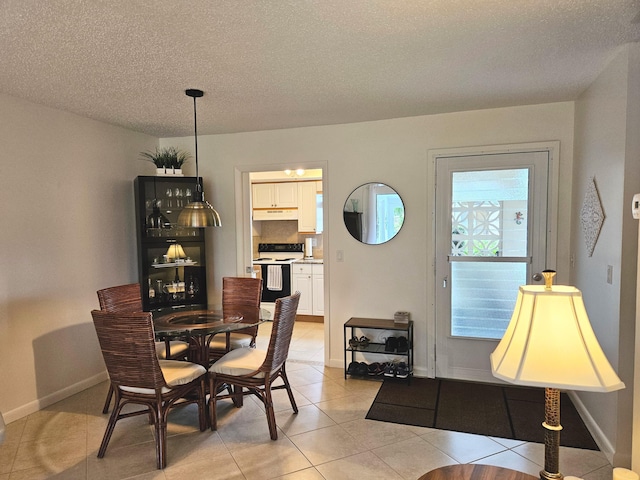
(275, 214)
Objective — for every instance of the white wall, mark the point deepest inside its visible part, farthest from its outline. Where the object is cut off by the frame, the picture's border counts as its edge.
(66, 204)
(375, 281)
(606, 147)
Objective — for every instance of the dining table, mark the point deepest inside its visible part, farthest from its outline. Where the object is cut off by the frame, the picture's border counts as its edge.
(198, 325)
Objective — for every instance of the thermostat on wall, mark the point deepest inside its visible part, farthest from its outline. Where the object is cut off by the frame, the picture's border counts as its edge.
(635, 206)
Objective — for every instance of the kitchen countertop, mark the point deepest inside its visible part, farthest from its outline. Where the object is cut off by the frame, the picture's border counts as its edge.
(311, 260)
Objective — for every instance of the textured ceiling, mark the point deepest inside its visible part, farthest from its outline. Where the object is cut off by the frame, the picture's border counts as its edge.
(269, 64)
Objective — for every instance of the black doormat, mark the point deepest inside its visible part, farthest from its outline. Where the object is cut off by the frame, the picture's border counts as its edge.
(480, 408)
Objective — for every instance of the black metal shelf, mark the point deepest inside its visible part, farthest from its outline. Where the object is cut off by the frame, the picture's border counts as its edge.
(376, 348)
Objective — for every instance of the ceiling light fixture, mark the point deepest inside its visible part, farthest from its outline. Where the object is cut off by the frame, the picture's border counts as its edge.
(198, 213)
(298, 172)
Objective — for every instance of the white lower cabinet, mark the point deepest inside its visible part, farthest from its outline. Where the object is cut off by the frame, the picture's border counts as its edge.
(317, 278)
(308, 279)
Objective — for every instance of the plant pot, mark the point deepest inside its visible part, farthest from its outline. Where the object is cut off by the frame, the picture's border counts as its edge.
(178, 172)
(160, 172)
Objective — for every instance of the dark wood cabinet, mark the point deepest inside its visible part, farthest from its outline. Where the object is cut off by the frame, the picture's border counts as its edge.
(171, 259)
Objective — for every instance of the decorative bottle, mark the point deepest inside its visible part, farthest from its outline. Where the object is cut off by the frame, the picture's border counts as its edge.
(152, 292)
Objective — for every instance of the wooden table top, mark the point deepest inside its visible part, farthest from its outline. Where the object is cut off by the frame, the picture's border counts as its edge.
(475, 472)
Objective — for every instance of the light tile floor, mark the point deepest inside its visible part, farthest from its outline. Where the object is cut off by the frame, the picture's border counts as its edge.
(328, 439)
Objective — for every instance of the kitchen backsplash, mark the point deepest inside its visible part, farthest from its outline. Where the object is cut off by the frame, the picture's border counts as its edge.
(283, 231)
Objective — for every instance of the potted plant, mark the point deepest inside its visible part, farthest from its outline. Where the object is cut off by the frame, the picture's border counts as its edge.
(168, 160)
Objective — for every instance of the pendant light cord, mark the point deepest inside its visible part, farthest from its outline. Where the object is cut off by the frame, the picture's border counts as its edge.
(195, 134)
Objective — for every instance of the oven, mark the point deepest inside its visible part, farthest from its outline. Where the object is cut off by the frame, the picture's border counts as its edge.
(275, 261)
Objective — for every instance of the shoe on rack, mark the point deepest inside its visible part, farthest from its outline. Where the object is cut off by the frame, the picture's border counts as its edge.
(374, 369)
(403, 345)
(353, 368)
(391, 344)
(390, 370)
(362, 369)
(354, 343)
(402, 370)
(383, 367)
(364, 342)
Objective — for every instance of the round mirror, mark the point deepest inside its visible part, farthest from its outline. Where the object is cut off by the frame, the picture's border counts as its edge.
(373, 213)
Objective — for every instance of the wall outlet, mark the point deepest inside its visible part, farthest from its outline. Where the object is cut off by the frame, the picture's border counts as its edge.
(339, 256)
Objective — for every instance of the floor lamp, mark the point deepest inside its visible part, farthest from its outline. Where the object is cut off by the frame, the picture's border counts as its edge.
(549, 343)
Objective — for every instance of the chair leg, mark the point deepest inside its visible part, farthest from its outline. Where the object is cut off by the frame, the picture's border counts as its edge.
(212, 403)
(238, 397)
(271, 416)
(283, 374)
(202, 412)
(161, 436)
(113, 418)
(107, 401)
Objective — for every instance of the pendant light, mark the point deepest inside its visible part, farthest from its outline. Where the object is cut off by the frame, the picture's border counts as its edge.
(198, 213)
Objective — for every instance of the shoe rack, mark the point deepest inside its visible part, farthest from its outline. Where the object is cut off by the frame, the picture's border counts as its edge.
(363, 339)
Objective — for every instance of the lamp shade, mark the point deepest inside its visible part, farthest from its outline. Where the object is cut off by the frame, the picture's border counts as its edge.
(176, 251)
(549, 342)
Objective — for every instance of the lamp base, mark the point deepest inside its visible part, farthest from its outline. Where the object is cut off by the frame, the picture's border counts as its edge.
(552, 430)
(544, 475)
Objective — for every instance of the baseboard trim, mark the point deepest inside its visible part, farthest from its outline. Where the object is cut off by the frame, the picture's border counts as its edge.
(596, 432)
(39, 404)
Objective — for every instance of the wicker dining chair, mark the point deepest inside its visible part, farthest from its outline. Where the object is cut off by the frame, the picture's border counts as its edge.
(240, 295)
(139, 377)
(256, 370)
(126, 299)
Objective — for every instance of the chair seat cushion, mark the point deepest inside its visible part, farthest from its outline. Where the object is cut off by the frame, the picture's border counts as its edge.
(236, 340)
(176, 347)
(241, 361)
(176, 373)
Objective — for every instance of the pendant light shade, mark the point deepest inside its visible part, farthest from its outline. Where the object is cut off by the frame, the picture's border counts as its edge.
(198, 213)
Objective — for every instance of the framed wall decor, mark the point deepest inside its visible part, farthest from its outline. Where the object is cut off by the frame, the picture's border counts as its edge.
(591, 216)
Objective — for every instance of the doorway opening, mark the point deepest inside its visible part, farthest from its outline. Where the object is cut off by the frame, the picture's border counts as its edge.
(279, 206)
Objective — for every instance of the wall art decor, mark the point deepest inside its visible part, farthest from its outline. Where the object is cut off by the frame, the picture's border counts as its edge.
(591, 216)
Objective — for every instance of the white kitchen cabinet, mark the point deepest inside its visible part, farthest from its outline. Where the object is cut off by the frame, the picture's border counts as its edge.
(307, 207)
(301, 282)
(317, 280)
(271, 195)
(308, 279)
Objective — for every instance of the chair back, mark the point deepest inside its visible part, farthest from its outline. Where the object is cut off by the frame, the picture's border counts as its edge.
(284, 319)
(121, 299)
(242, 295)
(241, 291)
(128, 347)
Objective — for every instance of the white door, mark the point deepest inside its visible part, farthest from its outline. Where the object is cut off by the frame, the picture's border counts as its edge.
(491, 237)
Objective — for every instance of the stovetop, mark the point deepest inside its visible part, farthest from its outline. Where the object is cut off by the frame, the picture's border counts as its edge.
(279, 253)
(275, 261)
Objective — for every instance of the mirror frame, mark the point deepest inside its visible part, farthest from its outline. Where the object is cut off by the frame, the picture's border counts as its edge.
(354, 210)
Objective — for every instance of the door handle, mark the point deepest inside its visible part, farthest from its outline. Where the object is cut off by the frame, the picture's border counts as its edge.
(537, 277)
